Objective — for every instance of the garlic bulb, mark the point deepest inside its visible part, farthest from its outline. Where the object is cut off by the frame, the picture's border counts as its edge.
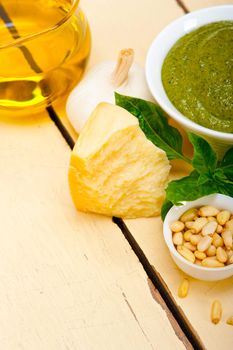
(99, 85)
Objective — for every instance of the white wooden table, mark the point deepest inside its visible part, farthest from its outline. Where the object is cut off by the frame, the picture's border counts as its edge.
(78, 281)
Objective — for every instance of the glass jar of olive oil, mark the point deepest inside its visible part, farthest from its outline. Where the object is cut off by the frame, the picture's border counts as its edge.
(43, 52)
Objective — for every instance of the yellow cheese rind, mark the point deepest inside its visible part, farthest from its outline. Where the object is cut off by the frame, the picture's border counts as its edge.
(122, 174)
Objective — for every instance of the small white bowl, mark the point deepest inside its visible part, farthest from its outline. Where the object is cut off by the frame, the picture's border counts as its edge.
(219, 201)
(220, 141)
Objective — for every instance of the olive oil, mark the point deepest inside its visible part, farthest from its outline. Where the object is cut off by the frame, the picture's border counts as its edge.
(43, 52)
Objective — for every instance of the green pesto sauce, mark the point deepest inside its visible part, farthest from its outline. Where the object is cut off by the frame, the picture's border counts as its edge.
(197, 75)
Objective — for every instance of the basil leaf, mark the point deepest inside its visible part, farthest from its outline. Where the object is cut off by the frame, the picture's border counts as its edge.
(226, 188)
(228, 172)
(224, 174)
(204, 159)
(165, 208)
(154, 124)
(228, 158)
(191, 187)
(188, 189)
(203, 178)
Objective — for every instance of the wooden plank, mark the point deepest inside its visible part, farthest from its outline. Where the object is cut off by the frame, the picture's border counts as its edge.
(196, 306)
(148, 232)
(68, 280)
(119, 24)
(198, 4)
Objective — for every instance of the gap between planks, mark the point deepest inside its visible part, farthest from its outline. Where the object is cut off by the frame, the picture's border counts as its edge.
(178, 322)
(159, 291)
(158, 288)
(182, 5)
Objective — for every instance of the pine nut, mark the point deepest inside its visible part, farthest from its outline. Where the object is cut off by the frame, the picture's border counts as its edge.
(223, 216)
(221, 255)
(229, 253)
(199, 255)
(204, 236)
(189, 215)
(229, 225)
(216, 312)
(209, 228)
(219, 229)
(217, 240)
(212, 257)
(186, 253)
(189, 224)
(208, 210)
(190, 246)
(194, 239)
(177, 226)
(227, 238)
(230, 260)
(211, 218)
(183, 288)
(211, 251)
(204, 243)
(187, 235)
(198, 262)
(199, 224)
(210, 262)
(230, 321)
(177, 238)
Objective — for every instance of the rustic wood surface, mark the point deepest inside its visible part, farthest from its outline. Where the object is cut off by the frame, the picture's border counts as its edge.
(68, 280)
(198, 4)
(71, 280)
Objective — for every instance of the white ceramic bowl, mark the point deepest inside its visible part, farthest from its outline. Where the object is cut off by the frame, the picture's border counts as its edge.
(219, 201)
(161, 45)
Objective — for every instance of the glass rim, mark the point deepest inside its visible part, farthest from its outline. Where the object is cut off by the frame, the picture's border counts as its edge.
(19, 41)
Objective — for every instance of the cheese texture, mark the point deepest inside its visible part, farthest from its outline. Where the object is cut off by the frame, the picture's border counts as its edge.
(114, 169)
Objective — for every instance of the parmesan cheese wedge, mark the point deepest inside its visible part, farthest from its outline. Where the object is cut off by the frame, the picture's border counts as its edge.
(114, 169)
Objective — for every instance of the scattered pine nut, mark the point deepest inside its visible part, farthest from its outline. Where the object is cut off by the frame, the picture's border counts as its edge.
(230, 321)
(216, 312)
(183, 288)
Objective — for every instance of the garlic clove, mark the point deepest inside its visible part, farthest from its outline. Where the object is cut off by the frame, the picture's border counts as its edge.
(97, 86)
